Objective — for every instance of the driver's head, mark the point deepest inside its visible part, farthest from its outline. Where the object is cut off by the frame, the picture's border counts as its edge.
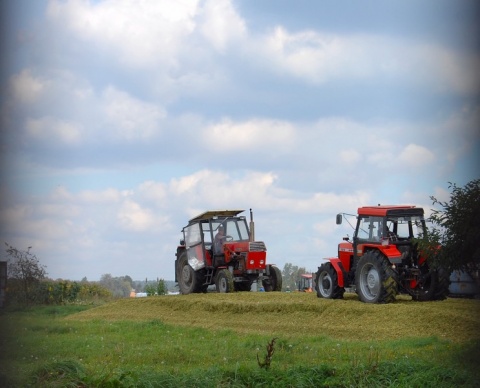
(221, 229)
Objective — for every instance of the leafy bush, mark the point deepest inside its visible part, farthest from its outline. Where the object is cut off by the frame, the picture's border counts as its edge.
(25, 272)
(54, 292)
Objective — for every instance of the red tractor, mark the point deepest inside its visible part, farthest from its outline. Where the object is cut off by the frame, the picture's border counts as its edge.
(305, 282)
(383, 259)
(218, 248)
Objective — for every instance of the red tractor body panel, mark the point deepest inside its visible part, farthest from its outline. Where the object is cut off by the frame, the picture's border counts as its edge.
(389, 250)
(256, 260)
(337, 264)
(345, 254)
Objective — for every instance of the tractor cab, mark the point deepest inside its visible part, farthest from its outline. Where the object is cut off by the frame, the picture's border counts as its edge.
(390, 229)
(208, 235)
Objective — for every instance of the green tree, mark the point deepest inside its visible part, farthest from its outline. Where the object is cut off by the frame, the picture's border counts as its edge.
(456, 229)
(291, 275)
(119, 286)
(161, 287)
(138, 286)
(150, 289)
(128, 279)
(25, 273)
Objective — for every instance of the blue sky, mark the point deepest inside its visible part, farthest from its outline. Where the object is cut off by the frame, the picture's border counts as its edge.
(123, 119)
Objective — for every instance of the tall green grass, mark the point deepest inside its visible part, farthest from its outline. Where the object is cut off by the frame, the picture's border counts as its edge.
(215, 341)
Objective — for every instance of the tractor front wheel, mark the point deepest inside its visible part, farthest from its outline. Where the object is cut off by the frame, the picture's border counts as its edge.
(326, 283)
(224, 281)
(375, 279)
(274, 282)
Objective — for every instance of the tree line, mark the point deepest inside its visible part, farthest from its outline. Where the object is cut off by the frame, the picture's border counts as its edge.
(28, 283)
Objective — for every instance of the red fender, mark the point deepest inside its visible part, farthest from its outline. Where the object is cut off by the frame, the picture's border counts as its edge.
(337, 264)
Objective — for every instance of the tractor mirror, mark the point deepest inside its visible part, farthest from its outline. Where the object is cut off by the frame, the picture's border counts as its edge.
(339, 218)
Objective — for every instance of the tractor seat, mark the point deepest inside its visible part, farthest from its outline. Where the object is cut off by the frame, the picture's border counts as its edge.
(218, 260)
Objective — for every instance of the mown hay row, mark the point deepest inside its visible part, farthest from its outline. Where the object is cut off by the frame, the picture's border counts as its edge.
(294, 314)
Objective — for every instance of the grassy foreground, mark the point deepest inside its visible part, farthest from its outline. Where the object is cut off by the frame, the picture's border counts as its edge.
(221, 340)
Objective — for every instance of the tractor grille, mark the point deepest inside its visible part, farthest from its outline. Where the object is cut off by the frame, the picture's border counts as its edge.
(257, 246)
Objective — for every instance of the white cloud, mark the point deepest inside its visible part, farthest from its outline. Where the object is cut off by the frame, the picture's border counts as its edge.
(131, 118)
(156, 192)
(52, 130)
(452, 71)
(221, 24)
(26, 88)
(416, 156)
(141, 33)
(319, 57)
(350, 157)
(255, 134)
(107, 196)
(134, 217)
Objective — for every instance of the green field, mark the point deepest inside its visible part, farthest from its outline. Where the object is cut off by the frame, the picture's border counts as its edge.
(220, 340)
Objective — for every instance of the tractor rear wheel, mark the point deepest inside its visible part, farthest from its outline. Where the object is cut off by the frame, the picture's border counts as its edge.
(274, 282)
(189, 281)
(326, 283)
(375, 279)
(434, 286)
(224, 281)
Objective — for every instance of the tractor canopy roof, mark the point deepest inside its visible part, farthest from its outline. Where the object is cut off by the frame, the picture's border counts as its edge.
(215, 213)
(390, 210)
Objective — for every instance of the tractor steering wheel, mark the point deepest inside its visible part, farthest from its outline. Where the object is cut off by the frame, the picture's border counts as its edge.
(228, 238)
(392, 236)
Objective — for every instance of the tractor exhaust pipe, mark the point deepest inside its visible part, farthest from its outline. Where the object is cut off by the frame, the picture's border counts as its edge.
(252, 227)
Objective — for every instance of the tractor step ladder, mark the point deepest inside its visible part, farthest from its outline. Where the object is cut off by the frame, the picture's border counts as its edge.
(208, 276)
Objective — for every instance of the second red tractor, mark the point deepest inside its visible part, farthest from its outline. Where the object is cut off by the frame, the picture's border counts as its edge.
(382, 259)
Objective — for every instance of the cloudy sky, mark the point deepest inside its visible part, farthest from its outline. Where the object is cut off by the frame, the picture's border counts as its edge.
(122, 119)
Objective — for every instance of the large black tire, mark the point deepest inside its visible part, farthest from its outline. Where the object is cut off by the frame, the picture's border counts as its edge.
(326, 283)
(274, 282)
(189, 281)
(425, 288)
(224, 281)
(433, 286)
(375, 279)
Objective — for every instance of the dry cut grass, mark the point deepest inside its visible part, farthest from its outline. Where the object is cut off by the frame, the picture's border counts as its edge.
(300, 314)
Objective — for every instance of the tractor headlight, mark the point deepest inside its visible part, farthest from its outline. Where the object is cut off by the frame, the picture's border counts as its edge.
(262, 262)
(252, 262)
